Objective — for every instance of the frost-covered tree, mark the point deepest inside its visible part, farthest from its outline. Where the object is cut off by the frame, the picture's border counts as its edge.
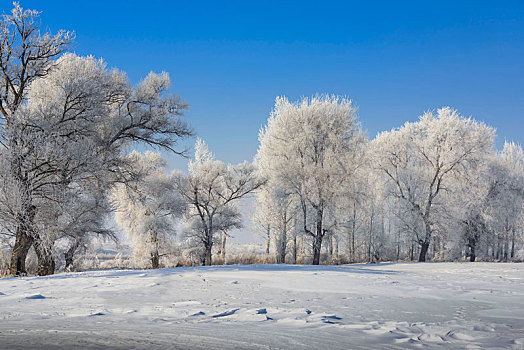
(421, 160)
(506, 201)
(307, 151)
(262, 217)
(74, 129)
(212, 189)
(26, 54)
(148, 207)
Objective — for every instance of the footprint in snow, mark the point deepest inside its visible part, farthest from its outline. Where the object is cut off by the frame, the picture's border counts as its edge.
(2, 293)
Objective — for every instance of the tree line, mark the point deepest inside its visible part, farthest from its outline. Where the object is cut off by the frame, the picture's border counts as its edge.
(323, 191)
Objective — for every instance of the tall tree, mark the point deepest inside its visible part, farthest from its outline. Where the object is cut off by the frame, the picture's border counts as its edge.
(307, 150)
(26, 54)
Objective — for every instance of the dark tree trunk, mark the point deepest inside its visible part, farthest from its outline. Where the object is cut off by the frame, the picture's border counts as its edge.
(18, 256)
(208, 260)
(223, 251)
(319, 235)
(513, 243)
(268, 239)
(472, 252)
(70, 254)
(208, 248)
(423, 251)
(506, 246)
(155, 259)
(282, 250)
(317, 245)
(295, 249)
(46, 263)
(24, 239)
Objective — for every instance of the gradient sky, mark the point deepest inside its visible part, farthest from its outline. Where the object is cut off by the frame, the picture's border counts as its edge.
(230, 59)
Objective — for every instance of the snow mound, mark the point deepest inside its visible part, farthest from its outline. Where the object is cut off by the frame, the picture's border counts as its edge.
(35, 296)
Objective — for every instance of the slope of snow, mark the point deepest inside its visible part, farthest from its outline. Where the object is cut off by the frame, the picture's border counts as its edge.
(410, 305)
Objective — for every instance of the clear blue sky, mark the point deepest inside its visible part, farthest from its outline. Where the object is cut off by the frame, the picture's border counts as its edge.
(230, 59)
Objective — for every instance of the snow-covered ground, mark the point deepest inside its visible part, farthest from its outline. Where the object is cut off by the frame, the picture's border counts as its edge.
(410, 305)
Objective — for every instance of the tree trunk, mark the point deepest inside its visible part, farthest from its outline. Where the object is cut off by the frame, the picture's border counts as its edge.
(207, 259)
(281, 254)
(295, 248)
(268, 239)
(155, 256)
(70, 253)
(424, 245)
(18, 256)
(317, 239)
(155, 259)
(219, 252)
(317, 245)
(330, 247)
(513, 243)
(207, 255)
(472, 246)
(353, 229)
(335, 250)
(224, 248)
(24, 239)
(423, 251)
(46, 263)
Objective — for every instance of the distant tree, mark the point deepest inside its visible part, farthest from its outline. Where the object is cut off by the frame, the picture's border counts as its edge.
(262, 217)
(277, 212)
(148, 207)
(506, 201)
(211, 189)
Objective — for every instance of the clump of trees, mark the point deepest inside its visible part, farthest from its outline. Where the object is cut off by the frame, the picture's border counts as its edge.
(435, 188)
(212, 190)
(66, 125)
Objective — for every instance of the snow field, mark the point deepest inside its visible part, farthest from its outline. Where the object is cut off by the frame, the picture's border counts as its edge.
(407, 305)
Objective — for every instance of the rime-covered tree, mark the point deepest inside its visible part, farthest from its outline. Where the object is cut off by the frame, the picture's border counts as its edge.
(211, 190)
(421, 160)
(307, 151)
(506, 201)
(26, 54)
(148, 207)
(74, 129)
(276, 212)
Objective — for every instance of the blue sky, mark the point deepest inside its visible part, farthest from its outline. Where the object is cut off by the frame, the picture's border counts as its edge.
(230, 59)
